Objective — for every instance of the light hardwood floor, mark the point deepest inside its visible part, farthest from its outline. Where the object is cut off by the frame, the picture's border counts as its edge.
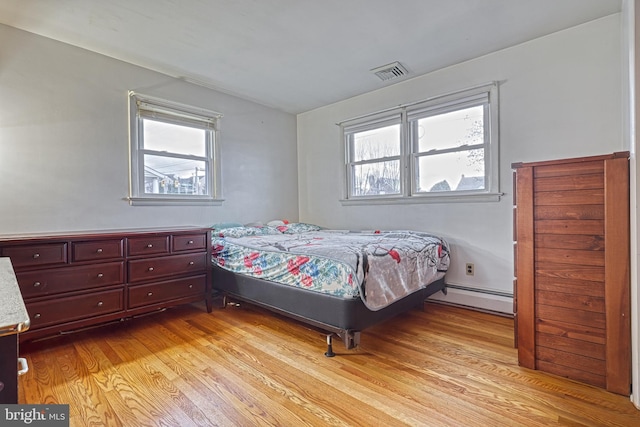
(241, 366)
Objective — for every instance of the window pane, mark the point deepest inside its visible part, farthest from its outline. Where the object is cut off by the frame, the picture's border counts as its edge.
(459, 171)
(170, 175)
(161, 136)
(377, 178)
(376, 143)
(450, 130)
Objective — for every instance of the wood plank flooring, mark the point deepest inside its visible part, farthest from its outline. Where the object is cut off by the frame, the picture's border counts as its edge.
(242, 366)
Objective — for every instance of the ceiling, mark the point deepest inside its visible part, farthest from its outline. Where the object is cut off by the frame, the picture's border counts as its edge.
(296, 55)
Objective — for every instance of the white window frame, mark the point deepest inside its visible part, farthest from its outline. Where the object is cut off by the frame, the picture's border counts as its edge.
(143, 106)
(486, 94)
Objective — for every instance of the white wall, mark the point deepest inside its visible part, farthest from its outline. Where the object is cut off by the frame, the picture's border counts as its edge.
(64, 144)
(560, 96)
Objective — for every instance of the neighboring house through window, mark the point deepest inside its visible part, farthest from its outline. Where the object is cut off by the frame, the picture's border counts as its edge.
(441, 149)
(173, 152)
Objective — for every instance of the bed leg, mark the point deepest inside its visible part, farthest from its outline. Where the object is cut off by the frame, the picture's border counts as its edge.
(329, 352)
(351, 339)
(226, 301)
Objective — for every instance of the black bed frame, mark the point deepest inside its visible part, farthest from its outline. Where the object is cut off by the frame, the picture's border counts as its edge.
(345, 318)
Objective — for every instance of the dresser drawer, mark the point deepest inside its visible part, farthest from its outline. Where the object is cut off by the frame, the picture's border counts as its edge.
(189, 242)
(36, 255)
(148, 245)
(52, 281)
(153, 268)
(141, 295)
(75, 307)
(97, 250)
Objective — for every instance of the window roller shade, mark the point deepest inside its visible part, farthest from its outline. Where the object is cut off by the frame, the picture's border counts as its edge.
(156, 112)
(433, 108)
(381, 120)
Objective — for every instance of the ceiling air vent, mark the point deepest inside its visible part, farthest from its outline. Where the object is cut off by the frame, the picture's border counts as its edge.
(390, 71)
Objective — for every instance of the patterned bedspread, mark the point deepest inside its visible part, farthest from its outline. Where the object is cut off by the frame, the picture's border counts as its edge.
(379, 267)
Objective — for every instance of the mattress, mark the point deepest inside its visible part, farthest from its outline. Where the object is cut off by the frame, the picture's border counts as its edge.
(378, 267)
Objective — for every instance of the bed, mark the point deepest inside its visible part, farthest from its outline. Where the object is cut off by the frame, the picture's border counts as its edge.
(339, 281)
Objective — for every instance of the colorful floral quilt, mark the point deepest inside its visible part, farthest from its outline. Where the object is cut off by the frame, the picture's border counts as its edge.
(379, 267)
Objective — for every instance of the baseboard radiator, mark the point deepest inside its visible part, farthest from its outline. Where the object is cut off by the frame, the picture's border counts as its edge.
(481, 299)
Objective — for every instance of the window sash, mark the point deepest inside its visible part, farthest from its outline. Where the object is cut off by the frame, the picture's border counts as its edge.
(478, 100)
(208, 142)
(378, 122)
(143, 167)
(415, 118)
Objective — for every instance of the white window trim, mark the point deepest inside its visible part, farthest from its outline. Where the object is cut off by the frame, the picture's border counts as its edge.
(205, 118)
(407, 194)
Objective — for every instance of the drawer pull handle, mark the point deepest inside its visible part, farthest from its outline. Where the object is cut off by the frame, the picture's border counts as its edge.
(36, 284)
(36, 316)
(24, 366)
(191, 262)
(36, 256)
(99, 250)
(149, 245)
(190, 242)
(100, 303)
(150, 294)
(100, 275)
(150, 269)
(190, 286)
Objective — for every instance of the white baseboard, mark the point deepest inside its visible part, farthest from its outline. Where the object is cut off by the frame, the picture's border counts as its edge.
(476, 299)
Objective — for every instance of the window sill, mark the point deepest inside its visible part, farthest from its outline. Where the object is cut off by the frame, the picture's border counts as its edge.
(173, 201)
(406, 200)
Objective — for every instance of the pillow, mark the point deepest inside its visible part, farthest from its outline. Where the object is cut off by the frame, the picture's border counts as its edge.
(298, 227)
(278, 222)
(223, 225)
(243, 231)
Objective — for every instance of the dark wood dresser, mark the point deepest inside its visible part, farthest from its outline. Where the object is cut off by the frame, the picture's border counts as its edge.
(572, 269)
(73, 281)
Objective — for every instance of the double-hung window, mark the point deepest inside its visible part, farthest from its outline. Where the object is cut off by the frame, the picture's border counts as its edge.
(441, 149)
(173, 152)
(375, 153)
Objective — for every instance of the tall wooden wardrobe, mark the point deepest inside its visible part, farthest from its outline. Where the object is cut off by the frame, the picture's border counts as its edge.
(572, 262)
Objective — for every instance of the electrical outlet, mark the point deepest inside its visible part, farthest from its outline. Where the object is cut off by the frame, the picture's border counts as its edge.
(469, 268)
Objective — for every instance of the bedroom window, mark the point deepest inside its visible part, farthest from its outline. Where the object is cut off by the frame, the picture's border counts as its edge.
(441, 149)
(173, 152)
(375, 150)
